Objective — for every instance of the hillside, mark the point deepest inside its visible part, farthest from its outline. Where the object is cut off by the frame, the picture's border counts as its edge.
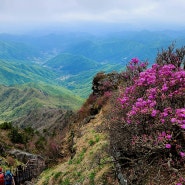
(10, 50)
(18, 72)
(19, 101)
(76, 72)
(90, 164)
(71, 64)
(129, 130)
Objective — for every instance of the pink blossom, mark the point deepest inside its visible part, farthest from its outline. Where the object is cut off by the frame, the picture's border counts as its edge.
(182, 154)
(168, 146)
(155, 92)
(183, 126)
(168, 136)
(164, 88)
(162, 120)
(173, 120)
(164, 114)
(135, 60)
(154, 112)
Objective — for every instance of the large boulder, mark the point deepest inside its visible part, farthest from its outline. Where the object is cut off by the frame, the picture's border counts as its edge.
(24, 156)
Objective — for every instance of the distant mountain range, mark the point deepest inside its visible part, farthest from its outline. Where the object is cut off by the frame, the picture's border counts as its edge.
(55, 70)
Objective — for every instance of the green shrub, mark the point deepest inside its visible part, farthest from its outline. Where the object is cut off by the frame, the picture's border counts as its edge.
(91, 142)
(65, 182)
(6, 125)
(91, 178)
(57, 175)
(29, 130)
(16, 136)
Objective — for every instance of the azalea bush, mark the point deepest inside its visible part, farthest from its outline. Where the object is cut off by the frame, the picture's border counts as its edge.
(148, 121)
(133, 69)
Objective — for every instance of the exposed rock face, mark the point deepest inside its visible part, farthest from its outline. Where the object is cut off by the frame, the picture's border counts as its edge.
(105, 82)
(25, 156)
(28, 183)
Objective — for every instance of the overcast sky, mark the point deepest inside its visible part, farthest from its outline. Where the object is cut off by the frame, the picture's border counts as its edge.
(134, 12)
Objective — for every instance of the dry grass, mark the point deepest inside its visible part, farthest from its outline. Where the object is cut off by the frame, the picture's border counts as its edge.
(90, 163)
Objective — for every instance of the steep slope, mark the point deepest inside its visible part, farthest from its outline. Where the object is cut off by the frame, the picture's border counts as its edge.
(17, 51)
(90, 164)
(19, 73)
(45, 119)
(18, 101)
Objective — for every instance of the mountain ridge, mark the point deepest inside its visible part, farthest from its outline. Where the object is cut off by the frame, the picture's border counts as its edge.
(18, 101)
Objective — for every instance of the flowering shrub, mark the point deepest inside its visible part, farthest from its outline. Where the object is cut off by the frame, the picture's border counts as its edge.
(133, 69)
(149, 122)
(157, 97)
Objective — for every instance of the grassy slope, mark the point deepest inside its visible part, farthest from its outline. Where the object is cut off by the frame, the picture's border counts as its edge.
(18, 101)
(65, 96)
(18, 72)
(90, 163)
(16, 50)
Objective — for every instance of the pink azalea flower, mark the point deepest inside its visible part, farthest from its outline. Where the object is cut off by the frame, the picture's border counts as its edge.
(154, 112)
(135, 60)
(182, 154)
(164, 88)
(168, 136)
(173, 120)
(164, 114)
(163, 134)
(162, 120)
(183, 126)
(168, 146)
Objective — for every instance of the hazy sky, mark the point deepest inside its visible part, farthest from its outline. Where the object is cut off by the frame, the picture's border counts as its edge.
(133, 12)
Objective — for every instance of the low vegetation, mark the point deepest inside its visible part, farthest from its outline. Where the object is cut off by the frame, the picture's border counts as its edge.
(147, 121)
(89, 161)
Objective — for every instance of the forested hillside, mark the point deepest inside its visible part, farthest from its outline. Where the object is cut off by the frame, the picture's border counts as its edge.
(18, 101)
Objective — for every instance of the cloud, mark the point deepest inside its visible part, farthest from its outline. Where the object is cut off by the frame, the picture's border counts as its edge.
(130, 11)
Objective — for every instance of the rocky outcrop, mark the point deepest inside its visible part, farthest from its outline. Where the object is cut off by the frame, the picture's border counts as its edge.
(25, 156)
(105, 82)
(28, 183)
